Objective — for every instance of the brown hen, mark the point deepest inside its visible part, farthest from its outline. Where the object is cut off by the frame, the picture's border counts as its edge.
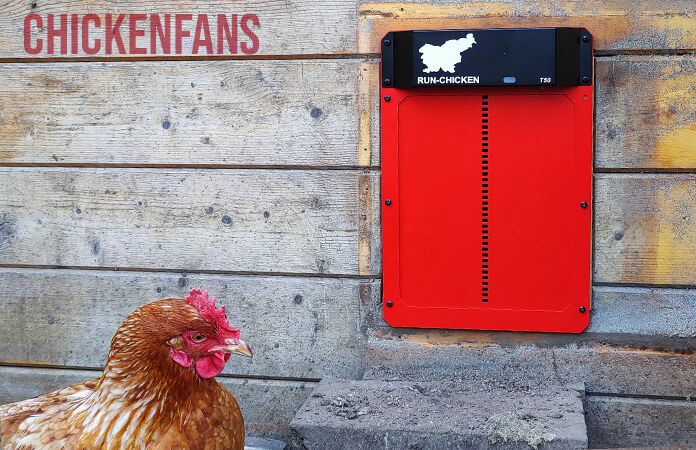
(157, 390)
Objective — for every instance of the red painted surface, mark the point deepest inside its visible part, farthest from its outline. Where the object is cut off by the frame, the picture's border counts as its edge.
(489, 237)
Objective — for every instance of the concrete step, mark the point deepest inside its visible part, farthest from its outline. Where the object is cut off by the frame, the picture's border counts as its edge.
(381, 414)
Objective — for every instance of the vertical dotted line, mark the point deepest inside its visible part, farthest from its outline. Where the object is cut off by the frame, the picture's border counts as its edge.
(484, 198)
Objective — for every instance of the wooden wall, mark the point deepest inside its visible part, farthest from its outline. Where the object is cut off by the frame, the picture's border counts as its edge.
(124, 180)
(257, 177)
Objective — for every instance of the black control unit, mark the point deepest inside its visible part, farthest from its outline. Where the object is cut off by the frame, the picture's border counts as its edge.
(487, 57)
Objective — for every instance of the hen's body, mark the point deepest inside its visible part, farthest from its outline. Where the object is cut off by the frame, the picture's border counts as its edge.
(144, 399)
(45, 422)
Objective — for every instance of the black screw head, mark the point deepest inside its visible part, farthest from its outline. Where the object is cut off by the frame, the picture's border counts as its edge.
(583, 205)
(585, 79)
(387, 81)
(387, 98)
(387, 202)
(390, 303)
(586, 38)
(582, 309)
(387, 42)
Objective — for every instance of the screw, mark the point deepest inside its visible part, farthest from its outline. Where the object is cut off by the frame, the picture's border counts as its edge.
(387, 98)
(583, 205)
(387, 81)
(390, 303)
(387, 202)
(585, 38)
(585, 79)
(387, 42)
(582, 309)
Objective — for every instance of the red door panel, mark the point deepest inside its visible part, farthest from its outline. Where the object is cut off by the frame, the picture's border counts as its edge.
(484, 227)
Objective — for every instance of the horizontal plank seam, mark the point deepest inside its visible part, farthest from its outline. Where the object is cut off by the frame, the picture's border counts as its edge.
(196, 272)
(639, 396)
(643, 285)
(194, 166)
(602, 170)
(608, 53)
(270, 378)
(667, 346)
(295, 57)
(631, 289)
(293, 274)
(175, 58)
(99, 370)
(646, 52)
(644, 170)
(308, 57)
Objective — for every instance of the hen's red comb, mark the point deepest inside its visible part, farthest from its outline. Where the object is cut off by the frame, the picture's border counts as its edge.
(206, 308)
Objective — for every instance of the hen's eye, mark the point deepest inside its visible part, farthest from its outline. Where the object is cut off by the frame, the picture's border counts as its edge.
(198, 337)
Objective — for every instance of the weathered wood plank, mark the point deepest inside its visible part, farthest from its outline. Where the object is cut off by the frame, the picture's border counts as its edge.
(645, 314)
(298, 327)
(300, 27)
(645, 229)
(617, 25)
(602, 369)
(271, 113)
(614, 422)
(370, 250)
(624, 371)
(646, 112)
(268, 406)
(273, 97)
(222, 220)
(368, 112)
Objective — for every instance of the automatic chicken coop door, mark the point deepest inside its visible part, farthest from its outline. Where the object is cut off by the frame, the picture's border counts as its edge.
(486, 178)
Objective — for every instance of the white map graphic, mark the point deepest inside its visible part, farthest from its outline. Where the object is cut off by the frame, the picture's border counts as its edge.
(446, 56)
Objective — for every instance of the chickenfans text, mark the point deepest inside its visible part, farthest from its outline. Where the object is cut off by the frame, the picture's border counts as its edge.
(141, 34)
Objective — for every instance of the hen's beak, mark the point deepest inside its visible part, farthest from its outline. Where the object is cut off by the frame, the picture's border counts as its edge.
(236, 346)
